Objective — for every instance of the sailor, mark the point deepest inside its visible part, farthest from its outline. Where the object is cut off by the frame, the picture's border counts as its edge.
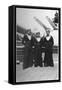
(28, 57)
(37, 50)
(48, 43)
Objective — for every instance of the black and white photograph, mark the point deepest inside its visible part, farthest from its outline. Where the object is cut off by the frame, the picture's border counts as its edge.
(37, 44)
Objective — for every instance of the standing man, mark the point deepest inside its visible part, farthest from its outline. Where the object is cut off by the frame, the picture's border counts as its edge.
(48, 43)
(37, 50)
(28, 57)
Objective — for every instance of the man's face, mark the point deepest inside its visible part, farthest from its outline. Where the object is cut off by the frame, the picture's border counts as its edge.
(48, 32)
(37, 34)
(29, 32)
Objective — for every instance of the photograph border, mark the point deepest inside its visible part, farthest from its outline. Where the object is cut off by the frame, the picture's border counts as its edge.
(14, 42)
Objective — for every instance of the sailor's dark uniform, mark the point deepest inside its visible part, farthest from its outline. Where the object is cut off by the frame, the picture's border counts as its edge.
(37, 52)
(28, 57)
(48, 59)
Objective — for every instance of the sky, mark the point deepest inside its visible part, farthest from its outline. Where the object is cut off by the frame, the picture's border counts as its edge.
(25, 18)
